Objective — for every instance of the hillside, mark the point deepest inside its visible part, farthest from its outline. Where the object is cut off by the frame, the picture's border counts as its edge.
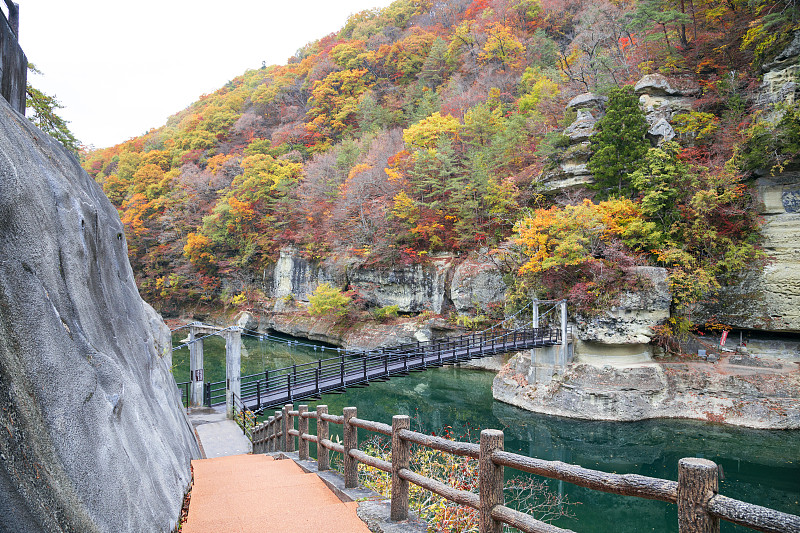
(430, 127)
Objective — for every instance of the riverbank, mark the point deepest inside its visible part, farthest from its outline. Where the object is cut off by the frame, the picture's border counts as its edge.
(739, 390)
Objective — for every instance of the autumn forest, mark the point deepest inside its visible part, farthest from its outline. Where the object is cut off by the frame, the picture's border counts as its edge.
(429, 127)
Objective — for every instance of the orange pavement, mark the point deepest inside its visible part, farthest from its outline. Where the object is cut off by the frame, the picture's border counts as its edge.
(255, 493)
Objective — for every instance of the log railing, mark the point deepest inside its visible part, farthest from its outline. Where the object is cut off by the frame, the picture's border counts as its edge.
(700, 507)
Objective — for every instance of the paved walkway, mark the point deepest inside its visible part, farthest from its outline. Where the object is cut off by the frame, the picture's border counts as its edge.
(256, 493)
(218, 436)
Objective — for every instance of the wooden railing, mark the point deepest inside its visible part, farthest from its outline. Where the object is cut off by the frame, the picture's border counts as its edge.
(700, 507)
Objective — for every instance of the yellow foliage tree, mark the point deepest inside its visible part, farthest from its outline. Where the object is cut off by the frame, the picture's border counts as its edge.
(503, 47)
(427, 132)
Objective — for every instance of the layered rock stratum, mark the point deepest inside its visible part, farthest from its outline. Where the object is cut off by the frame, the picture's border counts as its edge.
(93, 437)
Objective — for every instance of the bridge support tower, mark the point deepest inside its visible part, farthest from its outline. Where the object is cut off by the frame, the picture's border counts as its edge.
(196, 377)
(549, 360)
(233, 368)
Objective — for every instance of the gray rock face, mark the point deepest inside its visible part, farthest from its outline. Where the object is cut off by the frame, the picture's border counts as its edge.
(476, 282)
(655, 84)
(738, 396)
(661, 131)
(298, 277)
(95, 438)
(787, 57)
(412, 289)
(582, 128)
(587, 101)
(779, 84)
(630, 322)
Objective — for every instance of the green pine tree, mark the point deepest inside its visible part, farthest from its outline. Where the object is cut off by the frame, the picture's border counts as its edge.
(41, 110)
(619, 146)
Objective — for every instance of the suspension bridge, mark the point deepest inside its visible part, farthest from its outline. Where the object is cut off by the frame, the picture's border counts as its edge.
(354, 368)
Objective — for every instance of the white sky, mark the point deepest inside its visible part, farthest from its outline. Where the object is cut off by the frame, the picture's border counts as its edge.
(121, 68)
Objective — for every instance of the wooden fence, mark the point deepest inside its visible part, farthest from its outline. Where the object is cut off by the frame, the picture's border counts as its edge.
(700, 507)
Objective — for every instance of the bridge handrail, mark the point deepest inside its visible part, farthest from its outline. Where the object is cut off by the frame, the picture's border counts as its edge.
(346, 369)
(700, 507)
(378, 354)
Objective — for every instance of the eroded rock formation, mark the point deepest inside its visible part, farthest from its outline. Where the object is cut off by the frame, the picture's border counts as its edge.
(92, 433)
(723, 392)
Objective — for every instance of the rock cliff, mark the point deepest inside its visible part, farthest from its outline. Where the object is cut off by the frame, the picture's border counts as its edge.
(770, 300)
(443, 283)
(94, 437)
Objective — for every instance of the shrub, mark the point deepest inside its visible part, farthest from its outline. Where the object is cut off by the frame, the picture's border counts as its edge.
(328, 300)
(386, 312)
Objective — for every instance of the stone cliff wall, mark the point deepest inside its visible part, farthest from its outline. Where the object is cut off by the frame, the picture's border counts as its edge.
(94, 436)
(443, 283)
(770, 300)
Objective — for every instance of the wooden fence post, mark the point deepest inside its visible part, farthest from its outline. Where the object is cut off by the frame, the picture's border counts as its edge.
(323, 455)
(289, 426)
(401, 455)
(490, 481)
(698, 482)
(350, 443)
(284, 429)
(278, 429)
(271, 434)
(302, 423)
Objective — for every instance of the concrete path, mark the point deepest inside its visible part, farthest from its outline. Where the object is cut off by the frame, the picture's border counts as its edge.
(256, 493)
(218, 436)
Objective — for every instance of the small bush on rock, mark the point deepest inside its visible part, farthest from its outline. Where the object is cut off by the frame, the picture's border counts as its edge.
(328, 300)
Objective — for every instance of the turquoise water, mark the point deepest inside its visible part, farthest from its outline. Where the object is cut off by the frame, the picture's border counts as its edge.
(761, 467)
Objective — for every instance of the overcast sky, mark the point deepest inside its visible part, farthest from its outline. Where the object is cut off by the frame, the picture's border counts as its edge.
(121, 68)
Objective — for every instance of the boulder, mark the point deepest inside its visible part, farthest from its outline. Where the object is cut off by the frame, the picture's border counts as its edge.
(660, 132)
(246, 320)
(94, 435)
(657, 107)
(588, 101)
(628, 325)
(655, 84)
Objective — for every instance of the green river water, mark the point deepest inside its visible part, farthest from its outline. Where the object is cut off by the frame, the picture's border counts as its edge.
(761, 467)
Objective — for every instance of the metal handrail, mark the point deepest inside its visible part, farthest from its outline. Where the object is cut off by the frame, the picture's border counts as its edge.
(306, 380)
